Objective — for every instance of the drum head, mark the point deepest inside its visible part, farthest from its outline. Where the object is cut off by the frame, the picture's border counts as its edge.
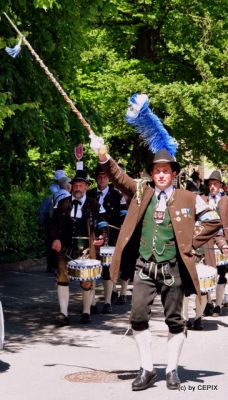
(2, 332)
(107, 250)
(83, 263)
(204, 270)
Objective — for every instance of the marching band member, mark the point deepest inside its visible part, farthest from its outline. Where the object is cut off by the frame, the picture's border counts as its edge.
(217, 249)
(112, 209)
(158, 229)
(77, 227)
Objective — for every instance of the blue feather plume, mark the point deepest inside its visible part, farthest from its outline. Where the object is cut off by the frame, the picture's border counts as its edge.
(14, 51)
(149, 126)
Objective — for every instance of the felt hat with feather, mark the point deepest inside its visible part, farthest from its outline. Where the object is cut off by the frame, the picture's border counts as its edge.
(151, 130)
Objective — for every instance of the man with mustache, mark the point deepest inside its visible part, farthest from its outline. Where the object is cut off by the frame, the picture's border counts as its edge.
(77, 228)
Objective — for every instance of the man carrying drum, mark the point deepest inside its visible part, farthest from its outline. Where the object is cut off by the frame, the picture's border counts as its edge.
(113, 210)
(77, 229)
(216, 251)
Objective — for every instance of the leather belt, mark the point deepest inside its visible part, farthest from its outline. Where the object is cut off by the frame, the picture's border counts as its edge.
(150, 268)
(152, 261)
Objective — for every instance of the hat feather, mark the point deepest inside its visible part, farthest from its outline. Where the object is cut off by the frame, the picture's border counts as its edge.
(14, 51)
(149, 126)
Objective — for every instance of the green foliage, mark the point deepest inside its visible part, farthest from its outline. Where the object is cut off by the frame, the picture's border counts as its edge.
(19, 230)
(101, 52)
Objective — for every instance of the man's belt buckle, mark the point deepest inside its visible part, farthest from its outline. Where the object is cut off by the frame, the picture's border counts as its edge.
(168, 278)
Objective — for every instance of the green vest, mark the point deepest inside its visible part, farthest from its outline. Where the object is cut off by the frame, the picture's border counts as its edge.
(157, 240)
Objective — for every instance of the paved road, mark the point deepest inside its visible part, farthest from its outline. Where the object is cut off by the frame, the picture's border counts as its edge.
(41, 361)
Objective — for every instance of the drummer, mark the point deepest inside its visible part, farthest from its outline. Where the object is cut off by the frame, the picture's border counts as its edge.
(77, 230)
(113, 209)
(217, 200)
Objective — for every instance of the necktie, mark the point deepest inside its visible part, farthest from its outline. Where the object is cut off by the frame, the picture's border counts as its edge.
(159, 213)
(99, 194)
(212, 202)
(76, 203)
(161, 206)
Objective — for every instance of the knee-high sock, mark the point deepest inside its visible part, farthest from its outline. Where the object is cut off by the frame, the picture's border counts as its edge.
(123, 289)
(185, 308)
(63, 297)
(209, 299)
(220, 289)
(94, 301)
(114, 288)
(108, 285)
(175, 344)
(200, 307)
(87, 296)
(143, 341)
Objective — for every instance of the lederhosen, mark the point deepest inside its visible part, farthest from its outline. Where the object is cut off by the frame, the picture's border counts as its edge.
(157, 269)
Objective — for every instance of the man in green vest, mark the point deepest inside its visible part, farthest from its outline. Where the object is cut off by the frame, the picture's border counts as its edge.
(159, 230)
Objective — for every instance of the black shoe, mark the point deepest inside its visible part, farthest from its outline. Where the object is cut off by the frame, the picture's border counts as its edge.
(198, 324)
(114, 297)
(172, 380)
(208, 311)
(93, 309)
(216, 311)
(144, 379)
(85, 319)
(122, 299)
(107, 309)
(188, 324)
(61, 319)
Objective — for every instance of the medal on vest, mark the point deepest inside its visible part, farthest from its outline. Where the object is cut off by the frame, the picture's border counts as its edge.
(159, 216)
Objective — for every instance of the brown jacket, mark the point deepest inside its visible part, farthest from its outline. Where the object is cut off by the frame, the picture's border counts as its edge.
(187, 239)
(220, 239)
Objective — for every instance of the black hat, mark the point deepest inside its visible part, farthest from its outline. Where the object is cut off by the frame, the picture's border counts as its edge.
(195, 176)
(163, 157)
(215, 175)
(99, 170)
(81, 175)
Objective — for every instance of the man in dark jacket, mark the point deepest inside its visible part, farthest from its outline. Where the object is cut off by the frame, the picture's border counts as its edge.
(114, 211)
(77, 228)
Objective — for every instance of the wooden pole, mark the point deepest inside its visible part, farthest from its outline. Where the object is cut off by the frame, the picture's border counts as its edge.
(52, 78)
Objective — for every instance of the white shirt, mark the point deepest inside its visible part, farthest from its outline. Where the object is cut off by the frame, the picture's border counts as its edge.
(79, 208)
(168, 191)
(213, 200)
(102, 194)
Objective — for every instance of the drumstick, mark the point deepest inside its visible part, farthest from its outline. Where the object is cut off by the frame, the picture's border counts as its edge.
(52, 78)
(114, 227)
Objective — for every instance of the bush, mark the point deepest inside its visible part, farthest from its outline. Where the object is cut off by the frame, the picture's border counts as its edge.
(20, 234)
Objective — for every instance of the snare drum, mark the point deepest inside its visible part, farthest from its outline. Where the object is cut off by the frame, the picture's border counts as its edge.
(106, 253)
(207, 277)
(84, 269)
(221, 259)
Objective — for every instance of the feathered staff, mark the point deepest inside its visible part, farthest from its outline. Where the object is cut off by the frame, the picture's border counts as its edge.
(148, 125)
(13, 52)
